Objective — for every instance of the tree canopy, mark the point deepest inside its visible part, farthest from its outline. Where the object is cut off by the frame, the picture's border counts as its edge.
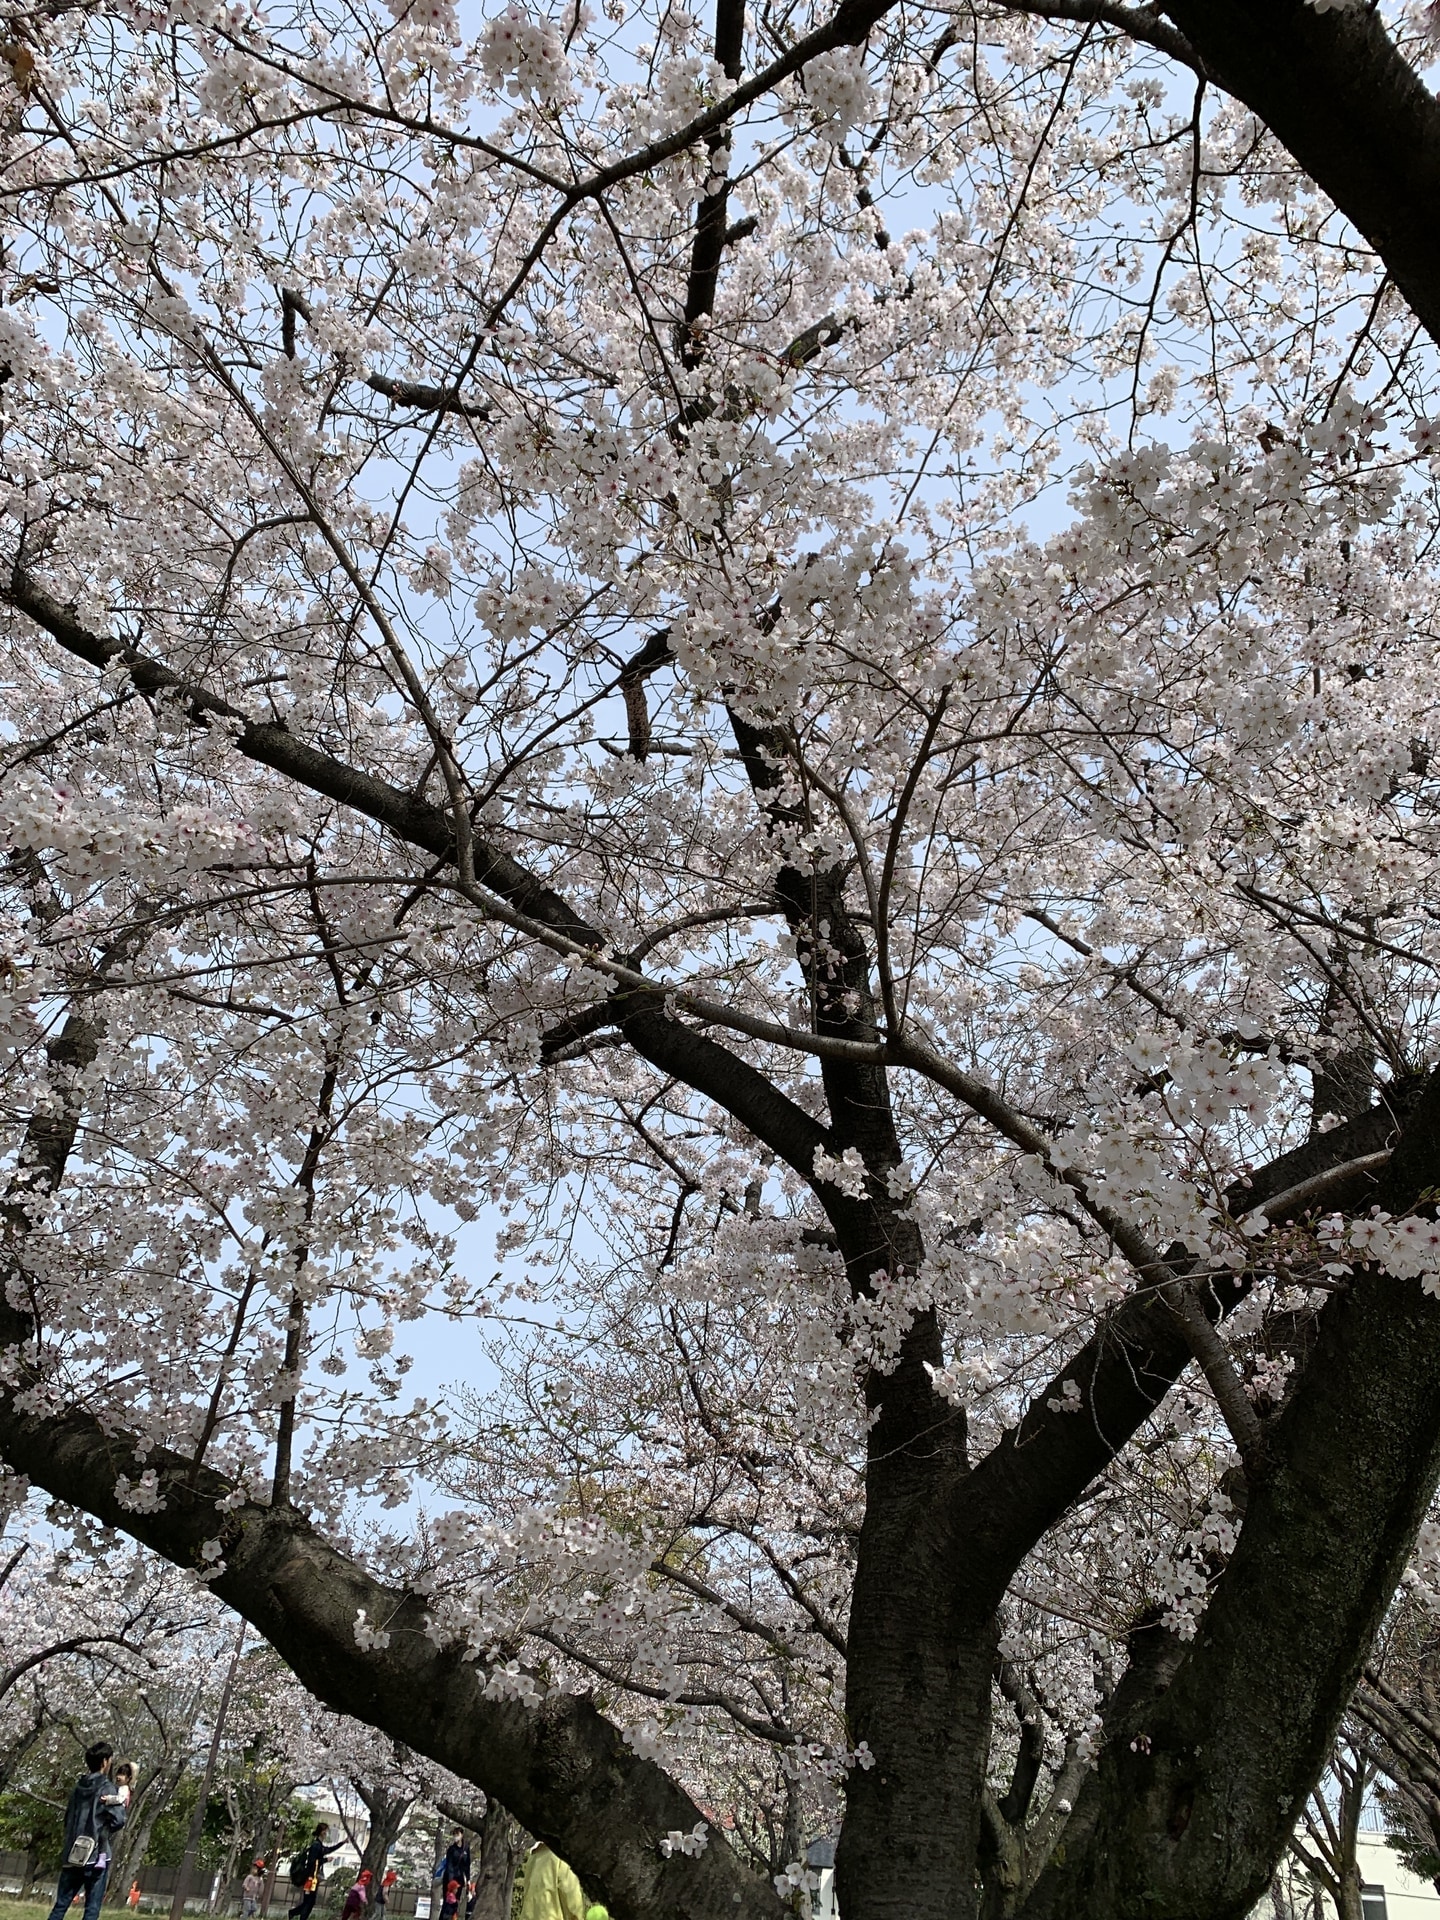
(794, 651)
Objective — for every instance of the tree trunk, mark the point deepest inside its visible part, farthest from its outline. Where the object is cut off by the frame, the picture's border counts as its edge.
(918, 1674)
(387, 1813)
(1187, 1824)
(502, 1844)
(1002, 1869)
(202, 1798)
(1352, 1802)
(270, 1878)
(151, 1800)
(918, 1696)
(232, 1849)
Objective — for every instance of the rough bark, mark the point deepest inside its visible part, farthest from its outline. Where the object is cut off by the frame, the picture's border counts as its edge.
(502, 1844)
(387, 1810)
(918, 1695)
(1336, 91)
(1187, 1823)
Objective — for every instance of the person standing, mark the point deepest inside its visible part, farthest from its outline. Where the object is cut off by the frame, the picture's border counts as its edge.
(551, 1890)
(93, 1816)
(456, 1864)
(252, 1889)
(132, 1899)
(383, 1891)
(307, 1870)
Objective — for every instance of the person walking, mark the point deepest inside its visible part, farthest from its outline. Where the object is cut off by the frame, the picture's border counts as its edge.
(93, 1816)
(551, 1890)
(384, 1888)
(358, 1898)
(132, 1899)
(451, 1900)
(252, 1890)
(307, 1870)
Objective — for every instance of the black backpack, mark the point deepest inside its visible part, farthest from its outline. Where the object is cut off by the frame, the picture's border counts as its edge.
(300, 1869)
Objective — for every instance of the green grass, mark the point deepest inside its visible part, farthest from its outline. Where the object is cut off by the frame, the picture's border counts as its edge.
(38, 1908)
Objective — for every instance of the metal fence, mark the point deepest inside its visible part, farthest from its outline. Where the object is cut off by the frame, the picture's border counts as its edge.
(157, 1890)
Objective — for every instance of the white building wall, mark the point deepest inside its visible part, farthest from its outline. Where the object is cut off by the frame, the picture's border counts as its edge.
(1395, 1893)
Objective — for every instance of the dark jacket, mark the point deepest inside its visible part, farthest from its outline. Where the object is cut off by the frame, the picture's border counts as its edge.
(84, 1814)
(316, 1856)
(456, 1866)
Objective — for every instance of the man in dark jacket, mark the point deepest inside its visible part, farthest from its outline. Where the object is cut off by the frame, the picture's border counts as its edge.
(94, 1815)
(456, 1864)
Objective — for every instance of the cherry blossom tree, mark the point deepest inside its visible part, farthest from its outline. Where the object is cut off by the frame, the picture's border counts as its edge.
(380, 1778)
(795, 651)
(101, 1639)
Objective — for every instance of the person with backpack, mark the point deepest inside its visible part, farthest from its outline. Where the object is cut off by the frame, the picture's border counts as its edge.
(307, 1870)
(93, 1816)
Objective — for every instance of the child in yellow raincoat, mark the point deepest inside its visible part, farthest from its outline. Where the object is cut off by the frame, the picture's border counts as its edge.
(551, 1890)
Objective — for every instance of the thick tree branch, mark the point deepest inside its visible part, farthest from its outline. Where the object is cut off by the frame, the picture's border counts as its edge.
(1134, 1358)
(562, 1768)
(1192, 1819)
(426, 399)
(1335, 90)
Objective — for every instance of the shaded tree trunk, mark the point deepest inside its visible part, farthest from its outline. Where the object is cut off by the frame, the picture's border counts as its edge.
(1188, 1823)
(150, 1802)
(918, 1697)
(1350, 1903)
(502, 1842)
(387, 1810)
